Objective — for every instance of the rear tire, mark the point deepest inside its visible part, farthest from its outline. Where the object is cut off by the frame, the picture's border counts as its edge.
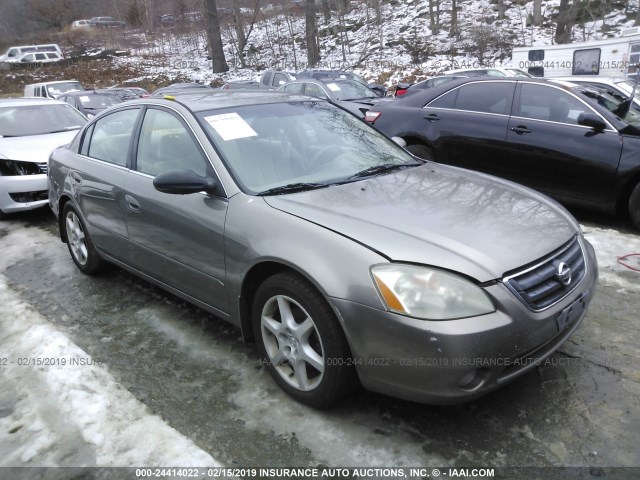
(81, 248)
(420, 151)
(301, 341)
(634, 206)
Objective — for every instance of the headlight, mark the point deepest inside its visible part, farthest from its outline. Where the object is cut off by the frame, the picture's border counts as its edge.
(429, 293)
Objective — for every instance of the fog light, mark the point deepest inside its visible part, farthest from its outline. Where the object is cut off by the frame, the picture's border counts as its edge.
(474, 379)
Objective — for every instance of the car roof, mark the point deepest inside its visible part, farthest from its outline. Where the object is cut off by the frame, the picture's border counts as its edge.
(25, 101)
(199, 101)
(51, 83)
(79, 93)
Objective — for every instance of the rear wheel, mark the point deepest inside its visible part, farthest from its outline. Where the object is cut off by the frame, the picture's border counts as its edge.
(81, 247)
(634, 206)
(302, 342)
(420, 151)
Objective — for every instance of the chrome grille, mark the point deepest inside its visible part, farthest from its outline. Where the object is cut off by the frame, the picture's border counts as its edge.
(43, 167)
(541, 285)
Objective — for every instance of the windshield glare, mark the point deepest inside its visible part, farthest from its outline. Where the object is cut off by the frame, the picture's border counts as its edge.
(38, 119)
(350, 89)
(99, 102)
(269, 146)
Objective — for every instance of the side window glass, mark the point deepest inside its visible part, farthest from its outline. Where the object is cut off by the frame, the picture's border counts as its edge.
(314, 90)
(41, 56)
(84, 148)
(294, 88)
(586, 62)
(486, 97)
(165, 145)
(279, 79)
(448, 100)
(36, 92)
(111, 137)
(542, 102)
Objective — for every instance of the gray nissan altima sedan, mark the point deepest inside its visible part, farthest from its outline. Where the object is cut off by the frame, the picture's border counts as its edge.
(348, 261)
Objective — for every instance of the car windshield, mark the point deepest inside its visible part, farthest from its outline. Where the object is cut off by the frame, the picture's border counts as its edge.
(299, 143)
(58, 89)
(518, 73)
(616, 104)
(350, 90)
(38, 120)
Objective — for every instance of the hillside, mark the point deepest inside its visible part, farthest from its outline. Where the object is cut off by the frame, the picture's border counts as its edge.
(403, 48)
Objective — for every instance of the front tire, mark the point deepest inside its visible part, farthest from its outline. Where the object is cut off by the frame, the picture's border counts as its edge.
(79, 242)
(302, 342)
(634, 206)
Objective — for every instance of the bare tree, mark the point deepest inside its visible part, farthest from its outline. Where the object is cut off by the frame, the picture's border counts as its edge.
(564, 23)
(311, 30)
(453, 31)
(242, 36)
(537, 13)
(215, 39)
(434, 16)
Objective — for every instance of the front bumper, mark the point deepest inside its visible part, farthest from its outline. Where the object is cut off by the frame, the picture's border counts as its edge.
(454, 361)
(22, 192)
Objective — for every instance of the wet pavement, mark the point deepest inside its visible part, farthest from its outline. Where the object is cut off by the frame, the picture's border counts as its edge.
(582, 408)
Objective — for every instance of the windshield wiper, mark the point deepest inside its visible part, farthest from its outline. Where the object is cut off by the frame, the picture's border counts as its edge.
(292, 188)
(384, 168)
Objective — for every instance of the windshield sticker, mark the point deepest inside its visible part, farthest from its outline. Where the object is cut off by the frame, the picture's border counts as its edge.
(85, 99)
(333, 87)
(230, 126)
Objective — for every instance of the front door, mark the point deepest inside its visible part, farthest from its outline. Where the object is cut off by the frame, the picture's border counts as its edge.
(176, 239)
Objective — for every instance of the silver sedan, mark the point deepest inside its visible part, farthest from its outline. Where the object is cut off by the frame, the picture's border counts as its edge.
(30, 129)
(349, 261)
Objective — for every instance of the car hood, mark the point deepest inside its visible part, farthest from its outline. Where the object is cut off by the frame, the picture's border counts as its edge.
(442, 216)
(34, 148)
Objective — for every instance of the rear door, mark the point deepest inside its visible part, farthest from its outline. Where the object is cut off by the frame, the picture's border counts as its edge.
(550, 152)
(100, 176)
(467, 126)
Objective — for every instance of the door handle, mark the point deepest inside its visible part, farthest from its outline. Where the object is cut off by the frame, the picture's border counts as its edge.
(132, 203)
(432, 117)
(76, 178)
(520, 130)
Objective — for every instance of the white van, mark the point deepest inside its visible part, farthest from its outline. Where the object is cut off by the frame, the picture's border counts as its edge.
(14, 53)
(52, 89)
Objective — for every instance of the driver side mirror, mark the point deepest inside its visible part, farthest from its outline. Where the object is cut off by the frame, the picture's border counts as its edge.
(183, 182)
(591, 120)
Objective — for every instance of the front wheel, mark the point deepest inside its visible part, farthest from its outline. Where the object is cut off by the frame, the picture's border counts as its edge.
(302, 342)
(634, 206)
(81, 247)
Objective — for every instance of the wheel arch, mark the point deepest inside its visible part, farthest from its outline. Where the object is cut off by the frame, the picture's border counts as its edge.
(62, 201)
(254, 277)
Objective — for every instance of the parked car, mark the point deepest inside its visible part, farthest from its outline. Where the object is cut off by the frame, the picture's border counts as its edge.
(106, 22)
(241, 85)
(562, 140)
(30, 128)
(81, 25)
(40, 57)
(348, 94)
(91, 102)
(620, 87)
(166, 21)
(491, 72)
(52, 89)
(347, 259)
(429, 83)
(324, 75)
(141, 92)
(13, 54)
(274, 79)
(177, 87)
